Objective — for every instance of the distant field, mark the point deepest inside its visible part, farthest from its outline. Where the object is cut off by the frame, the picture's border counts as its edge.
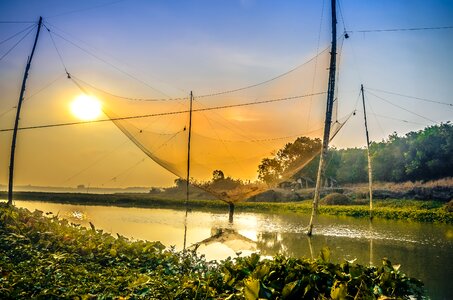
(415, 210)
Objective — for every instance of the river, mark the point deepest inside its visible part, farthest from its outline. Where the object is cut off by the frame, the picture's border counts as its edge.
(425, 251)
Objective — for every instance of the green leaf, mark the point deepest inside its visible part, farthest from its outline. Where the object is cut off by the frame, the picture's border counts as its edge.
(339, 291)
(325, 254)
(261, 271)
(288, 288)
(251, 288)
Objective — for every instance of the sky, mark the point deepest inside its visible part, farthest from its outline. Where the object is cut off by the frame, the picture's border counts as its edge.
(169, 48)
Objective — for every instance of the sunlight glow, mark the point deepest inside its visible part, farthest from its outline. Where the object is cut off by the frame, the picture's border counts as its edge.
(86, 107)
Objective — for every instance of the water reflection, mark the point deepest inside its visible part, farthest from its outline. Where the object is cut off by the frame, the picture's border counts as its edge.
(425, 251)
(229, 237)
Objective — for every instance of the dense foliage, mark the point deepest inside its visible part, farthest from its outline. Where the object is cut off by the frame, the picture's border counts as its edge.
(287, 159)
(49, 258)
(336, 199)
(423, 155)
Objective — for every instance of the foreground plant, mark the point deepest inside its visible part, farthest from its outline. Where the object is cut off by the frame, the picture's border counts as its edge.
(48, 257)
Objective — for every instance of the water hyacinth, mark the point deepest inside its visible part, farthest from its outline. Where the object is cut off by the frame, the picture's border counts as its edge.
(49, 257)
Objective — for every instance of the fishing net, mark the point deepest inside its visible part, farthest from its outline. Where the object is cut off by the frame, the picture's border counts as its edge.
(234, 134)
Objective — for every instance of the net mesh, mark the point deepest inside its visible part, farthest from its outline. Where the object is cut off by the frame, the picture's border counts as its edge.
(234, 134)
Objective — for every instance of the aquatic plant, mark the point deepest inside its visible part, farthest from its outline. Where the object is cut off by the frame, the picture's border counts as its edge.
(48, 257)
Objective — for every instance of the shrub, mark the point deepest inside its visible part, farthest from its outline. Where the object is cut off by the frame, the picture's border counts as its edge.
(449, 206)
(336, 199)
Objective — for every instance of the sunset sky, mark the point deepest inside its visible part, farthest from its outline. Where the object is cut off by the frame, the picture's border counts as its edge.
(162, 48)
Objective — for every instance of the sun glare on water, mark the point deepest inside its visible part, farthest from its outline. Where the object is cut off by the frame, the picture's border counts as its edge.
(86, 107)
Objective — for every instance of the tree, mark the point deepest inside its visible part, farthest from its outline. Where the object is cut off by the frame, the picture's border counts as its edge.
(388, 159)
(269, 171)
(353, 166)
(180, 183)
(217, 175)
(429, 153)
(288, 160)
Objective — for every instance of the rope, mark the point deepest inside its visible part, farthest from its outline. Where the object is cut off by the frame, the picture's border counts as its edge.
(205, 95)
(413, 97)
(403, 29)
(18, 42)
(162, 114)
(109, 63)
(400, 107)
(16, 34)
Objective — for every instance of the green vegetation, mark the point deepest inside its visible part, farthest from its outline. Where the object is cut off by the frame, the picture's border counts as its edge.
(392, 209)
(336, 199)
(423, 155)
(49, 258)
(449, 206)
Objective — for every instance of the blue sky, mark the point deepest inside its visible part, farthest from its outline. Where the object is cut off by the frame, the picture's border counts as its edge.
(178, 46)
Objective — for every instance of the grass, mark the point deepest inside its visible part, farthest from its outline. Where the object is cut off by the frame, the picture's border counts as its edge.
(396, 209)
(404, 186)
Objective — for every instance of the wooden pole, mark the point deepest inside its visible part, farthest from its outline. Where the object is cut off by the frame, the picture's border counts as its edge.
(370, 173)
(188, 168)
(16, 123)
(328, 121)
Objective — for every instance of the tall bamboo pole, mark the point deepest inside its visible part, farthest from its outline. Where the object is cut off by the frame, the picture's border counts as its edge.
(328, 120)
(16, 122)
(188, 169)
(370, 173)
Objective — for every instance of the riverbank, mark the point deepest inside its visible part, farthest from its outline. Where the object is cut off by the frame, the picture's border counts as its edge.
(392, 209)
(47, 257)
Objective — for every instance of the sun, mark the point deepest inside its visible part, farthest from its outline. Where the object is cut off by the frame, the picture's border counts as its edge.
(86, 107)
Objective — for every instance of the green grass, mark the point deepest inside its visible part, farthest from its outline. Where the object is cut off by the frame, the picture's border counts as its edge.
(395, 209)
(49, 258)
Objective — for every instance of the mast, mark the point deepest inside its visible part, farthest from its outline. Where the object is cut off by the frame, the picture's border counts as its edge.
(188, 168)
(188, 149)
(328, 120)
(370, 173)
(16, 123)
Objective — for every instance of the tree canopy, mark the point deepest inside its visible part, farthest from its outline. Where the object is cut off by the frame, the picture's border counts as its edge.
(421, 155)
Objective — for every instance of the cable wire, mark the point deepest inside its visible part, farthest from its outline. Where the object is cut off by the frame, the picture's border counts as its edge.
(205, 95)
(17, 22)
(34, 94)
(375, 117)
(95, 162)
(56, 49)
(400, 107)
(413, 97)
(163, 113)
(109, 63)
(142, 160)
(107, 54)
(341, 14)
(124, 97)
(263, 82)
(396, 119)
(316, 62)
(16, 34)
(403, 29)
(18, 42)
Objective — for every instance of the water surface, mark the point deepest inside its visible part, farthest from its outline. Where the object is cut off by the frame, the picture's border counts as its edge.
(425, 251)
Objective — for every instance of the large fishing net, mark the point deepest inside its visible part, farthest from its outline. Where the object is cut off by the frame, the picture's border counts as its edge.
(233, 134)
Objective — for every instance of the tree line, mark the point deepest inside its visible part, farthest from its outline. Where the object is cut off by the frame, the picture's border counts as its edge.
(422, 155)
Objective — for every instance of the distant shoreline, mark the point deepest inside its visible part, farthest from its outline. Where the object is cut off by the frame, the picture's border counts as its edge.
(394, 209)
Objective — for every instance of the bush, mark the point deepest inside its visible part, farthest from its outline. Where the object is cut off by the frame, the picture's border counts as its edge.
(336, 199)
(449, 206)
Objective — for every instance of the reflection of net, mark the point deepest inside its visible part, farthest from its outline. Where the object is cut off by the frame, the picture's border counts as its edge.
(232, 131)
